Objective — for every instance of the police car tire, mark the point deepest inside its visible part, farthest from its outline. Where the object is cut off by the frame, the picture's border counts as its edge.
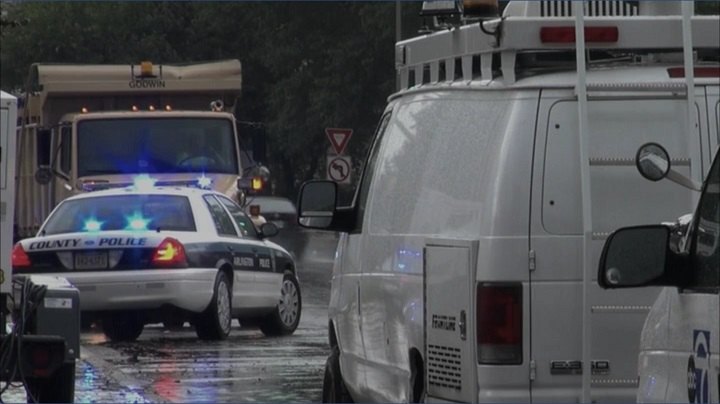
(273, 325)
(58, 388)
(334, 390)
(123, 326)
(207, 324)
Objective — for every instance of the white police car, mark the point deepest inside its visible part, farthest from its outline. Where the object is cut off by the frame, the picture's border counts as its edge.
(148, 254)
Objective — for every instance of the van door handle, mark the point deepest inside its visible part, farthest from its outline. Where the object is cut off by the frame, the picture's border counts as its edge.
(462, 325)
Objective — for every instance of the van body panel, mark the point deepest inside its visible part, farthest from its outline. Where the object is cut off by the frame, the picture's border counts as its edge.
(618, 125)
(439, 150)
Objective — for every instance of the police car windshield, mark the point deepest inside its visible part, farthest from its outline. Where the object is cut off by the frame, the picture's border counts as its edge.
(156, 145)
(122, 212)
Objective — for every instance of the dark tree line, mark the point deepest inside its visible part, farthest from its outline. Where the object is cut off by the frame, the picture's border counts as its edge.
(306, 65)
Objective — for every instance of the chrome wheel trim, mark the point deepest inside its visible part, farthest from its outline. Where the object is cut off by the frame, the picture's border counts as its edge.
(223, 307)
(289, 303)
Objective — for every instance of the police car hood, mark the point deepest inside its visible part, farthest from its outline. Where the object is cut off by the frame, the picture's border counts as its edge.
(96, 240)
(219, 182)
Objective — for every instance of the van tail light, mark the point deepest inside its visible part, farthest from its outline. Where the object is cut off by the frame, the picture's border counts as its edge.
(20, 259)
(170, 253)
(499, 323)
(710, 71)
(567, 34)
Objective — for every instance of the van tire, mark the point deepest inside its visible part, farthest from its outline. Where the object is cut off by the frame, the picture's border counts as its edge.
(417, 380)
(285, 317)
(123, 326)
(58, 388)
(215, 322)
(334, 389)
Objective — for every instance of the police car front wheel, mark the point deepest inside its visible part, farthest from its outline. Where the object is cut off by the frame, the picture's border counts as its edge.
(284, 319)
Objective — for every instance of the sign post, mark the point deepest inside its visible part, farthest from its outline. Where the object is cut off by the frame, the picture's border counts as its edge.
(339, 166)
(339, 138)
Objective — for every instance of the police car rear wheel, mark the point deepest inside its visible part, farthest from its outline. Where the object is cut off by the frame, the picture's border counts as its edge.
(285, 318)
(215, 322)
(123, 326)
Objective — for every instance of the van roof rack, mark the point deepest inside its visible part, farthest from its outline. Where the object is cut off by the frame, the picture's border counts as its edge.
(613, 27)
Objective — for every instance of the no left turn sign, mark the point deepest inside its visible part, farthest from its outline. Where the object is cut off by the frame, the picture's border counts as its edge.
(338, 169)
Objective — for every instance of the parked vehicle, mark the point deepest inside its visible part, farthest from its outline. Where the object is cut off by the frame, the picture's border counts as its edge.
(680, 344)
(148, 254)
(464, 270)
(282, 212)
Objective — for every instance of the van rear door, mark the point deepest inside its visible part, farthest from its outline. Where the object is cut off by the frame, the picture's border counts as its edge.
(618, 123)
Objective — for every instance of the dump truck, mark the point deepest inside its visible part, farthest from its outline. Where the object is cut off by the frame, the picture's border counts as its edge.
(90, 127)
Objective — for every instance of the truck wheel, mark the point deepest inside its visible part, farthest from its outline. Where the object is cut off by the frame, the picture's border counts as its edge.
(284, 319)
(334, 390)
(123, 326)
(214, 323)
(58, 388)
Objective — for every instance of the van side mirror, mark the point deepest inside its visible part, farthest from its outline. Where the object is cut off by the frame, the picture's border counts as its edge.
(653, 161)
(317, 202)
(635, 256)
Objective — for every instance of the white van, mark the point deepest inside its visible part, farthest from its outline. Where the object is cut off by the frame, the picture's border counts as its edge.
(459, 270)
(680, 343)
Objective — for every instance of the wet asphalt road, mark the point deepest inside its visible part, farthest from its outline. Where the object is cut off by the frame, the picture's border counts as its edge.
(175, 367)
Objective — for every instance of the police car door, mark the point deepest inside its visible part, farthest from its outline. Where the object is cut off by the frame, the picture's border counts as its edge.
(241, 257)
(267, 278)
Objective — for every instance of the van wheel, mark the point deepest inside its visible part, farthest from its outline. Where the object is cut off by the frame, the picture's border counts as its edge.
(285, 318)
(58, 388)
(334, 390)
(214, 323)
(417, 380)
(123, 326)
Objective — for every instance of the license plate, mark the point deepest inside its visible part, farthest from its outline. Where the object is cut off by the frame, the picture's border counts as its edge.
(91, 260)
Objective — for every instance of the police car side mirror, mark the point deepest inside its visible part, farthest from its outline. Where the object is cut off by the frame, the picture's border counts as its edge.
(635, 256)
(316, 204)
(268, 230)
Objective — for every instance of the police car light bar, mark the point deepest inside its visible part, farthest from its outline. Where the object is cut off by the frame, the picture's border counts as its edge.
(144, 182)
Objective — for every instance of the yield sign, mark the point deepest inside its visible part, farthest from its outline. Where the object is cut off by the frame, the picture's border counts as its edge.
(338, 138)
